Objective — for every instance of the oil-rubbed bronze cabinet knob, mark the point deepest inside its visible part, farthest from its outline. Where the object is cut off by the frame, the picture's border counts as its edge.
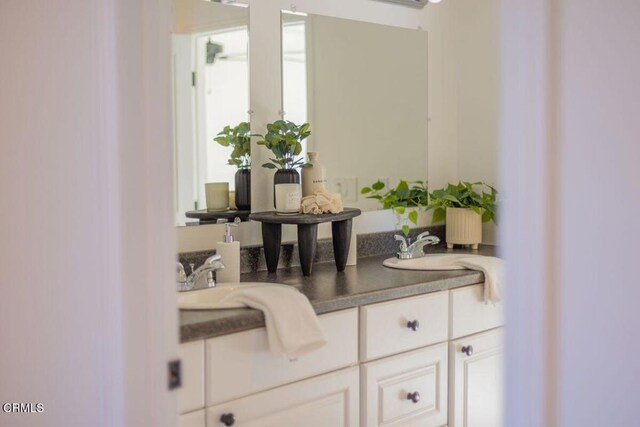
(467, 349)
(413, 325)
(228, 419)
(414, 397)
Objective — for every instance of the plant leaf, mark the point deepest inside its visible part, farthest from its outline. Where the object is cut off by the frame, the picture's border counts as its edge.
(378, 185)
(439, 215)
(451, 198)
(402, 190)
(413, 217)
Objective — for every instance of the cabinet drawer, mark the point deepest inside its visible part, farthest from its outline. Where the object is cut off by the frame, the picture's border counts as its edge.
(328, 400)
(385, 327)
(470, 314)
(191, 394)
(241, 364)
(389, 388)
(192, 419)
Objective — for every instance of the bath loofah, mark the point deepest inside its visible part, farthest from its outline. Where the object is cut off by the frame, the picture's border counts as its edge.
(321, 201)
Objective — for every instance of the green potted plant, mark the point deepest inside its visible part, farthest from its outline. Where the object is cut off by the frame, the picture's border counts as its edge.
(284, 139)
(403, 199)
(465, 207)
(239, 138)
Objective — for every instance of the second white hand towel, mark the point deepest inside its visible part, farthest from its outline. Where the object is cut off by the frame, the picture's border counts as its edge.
(293, 328)
(493, 269)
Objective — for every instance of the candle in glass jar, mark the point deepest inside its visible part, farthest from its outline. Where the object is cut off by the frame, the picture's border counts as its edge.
(288, 198)
(217, 196)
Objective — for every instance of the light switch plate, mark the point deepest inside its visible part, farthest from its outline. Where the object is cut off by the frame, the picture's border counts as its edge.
(348, 188)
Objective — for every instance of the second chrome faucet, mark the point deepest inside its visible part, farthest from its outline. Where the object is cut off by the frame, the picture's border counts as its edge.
(415, 249)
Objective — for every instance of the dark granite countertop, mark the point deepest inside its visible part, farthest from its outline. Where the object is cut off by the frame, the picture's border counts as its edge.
(366, 283)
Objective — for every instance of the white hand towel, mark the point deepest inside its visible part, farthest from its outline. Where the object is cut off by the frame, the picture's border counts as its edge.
(293, 328)
(493, 269)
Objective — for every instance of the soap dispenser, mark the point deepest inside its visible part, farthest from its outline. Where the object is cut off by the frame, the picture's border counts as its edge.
(314, 176)
(229, 250)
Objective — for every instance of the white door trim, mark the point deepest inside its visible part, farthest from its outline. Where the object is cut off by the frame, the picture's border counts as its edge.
(528, 170)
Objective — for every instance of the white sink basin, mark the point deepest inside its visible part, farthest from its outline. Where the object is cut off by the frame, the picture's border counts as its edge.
(213, 298)
(428, 262)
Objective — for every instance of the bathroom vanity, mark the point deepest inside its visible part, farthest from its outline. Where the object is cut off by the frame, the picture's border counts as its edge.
(410, 348)
(414, 348)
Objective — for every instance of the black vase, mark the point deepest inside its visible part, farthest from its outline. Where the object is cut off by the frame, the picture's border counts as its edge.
(284, 176)
(243, 189)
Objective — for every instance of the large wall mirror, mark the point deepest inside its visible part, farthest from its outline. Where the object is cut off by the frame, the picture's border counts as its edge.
(362, 86)
(363, 89)
(210, 91)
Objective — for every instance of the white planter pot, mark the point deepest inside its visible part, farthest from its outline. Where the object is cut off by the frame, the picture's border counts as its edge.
(464, 227)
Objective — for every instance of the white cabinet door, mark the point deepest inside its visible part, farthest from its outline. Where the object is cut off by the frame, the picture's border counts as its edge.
(475, 382)
(192, 419)
(409, 389)
(328, 400)
(191, 394)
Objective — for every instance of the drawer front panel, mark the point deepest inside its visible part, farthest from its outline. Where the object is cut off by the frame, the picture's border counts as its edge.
(408, 389)
(191, 394)
(328, 400)
(470, 314)
(388, 328)
(241, 364)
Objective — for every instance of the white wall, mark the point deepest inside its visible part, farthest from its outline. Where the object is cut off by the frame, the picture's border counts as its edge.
(570, 135)
(476, 47)
(87, 314)
(368, 102)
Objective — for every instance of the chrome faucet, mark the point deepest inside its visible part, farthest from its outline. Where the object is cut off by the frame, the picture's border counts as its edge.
(415, 249)
(186, 283)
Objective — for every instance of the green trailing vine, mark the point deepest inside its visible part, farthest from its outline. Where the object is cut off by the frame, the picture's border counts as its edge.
(406, 195)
